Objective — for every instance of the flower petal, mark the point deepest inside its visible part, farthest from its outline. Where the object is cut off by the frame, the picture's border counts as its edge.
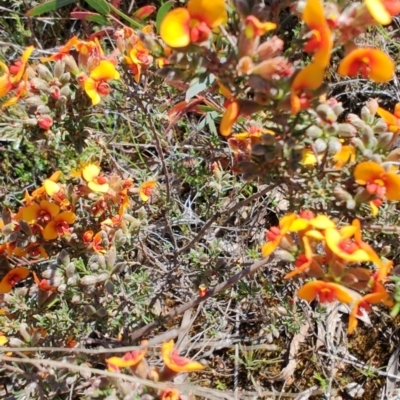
(213, 13)
(51, 208)
(104, 71)
(68, 216)
(378, 11)
(90, 172)
(229, 118)
(31, 213)
(174, 29)
(50, 231)
(367, 171)
(392, 184)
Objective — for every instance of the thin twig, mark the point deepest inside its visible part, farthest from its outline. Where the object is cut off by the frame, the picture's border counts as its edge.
(219, 214)
(145, 330)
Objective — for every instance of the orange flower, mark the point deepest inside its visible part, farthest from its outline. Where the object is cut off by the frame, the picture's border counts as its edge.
(128, 360)
(382, 11)
(321, 41)
(347, 154)
(303, 261)
(377, 180)
(12, 278)
(326, 292)
(275, 235)
(364, 302)
(175, 362)
(49, 186)
(341, 244)
(59, 226)
(40, 213)
(255, 28)
(392, 120)
(146, 188)
(95, 181)
(64, 50)
(170, 394)
(96, 84)
(231, 114)
(96, 244)
(44, 284)
(13, 75)
(194, 23)
(308, 79)
(370, 63)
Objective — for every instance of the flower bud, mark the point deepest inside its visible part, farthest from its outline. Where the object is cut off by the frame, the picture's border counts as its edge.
(89, 280)
(350, 204)
(45, 122)
(362, 196)
(70, 270)
(367, 136)
(44, 72)
(326, 113)
(89, 310)
(23, 330)
(338, 109)
(40, 85)
(59, 68)
(320, 145)
(65, 78)
(372, 106)
(355, 121)
(366, 115)
(384, 139)
(380, 126)
(357, 142)
(346, 130)
(341, 194)
(70, 64)
(284, 255)
(314, 132)
(334, 145)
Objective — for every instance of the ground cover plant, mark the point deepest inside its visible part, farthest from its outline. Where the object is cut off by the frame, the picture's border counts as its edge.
(199, 200)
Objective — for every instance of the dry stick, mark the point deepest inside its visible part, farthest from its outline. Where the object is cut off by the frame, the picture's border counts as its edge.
(219, 214)
(145, 330)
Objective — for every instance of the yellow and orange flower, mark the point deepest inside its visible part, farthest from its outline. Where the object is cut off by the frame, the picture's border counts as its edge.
(347, 154)
(64, 50)
(13, 75)
(342, 245)
(392, 120)
(12, 278)
(253, 27)
(308, 79)
(321, 41)
(382, 11)
(303, 261)
(129, 359)
(230, 116)
(170, 394)
(325, 291)
(94, 179)
(369, 63)
(49, 186)
(41, 213)
(377, 180)
(96, 85)
(146, 189)
(175, 362)
(276, 234)
(194, 23)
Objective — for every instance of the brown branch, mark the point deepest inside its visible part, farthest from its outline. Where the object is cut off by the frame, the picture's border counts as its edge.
(145, 330)
(219, 214)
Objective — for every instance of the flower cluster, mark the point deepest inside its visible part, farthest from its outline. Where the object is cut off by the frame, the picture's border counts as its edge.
(319, 249)
(60, 212)
(174, 364)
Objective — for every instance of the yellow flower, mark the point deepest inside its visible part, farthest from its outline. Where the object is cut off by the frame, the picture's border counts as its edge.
(146, 188)
(95, 181)
(96, 84)
(175, 362)
(194, 23)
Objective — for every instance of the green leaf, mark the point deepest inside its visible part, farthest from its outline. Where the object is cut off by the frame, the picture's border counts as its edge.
(49, 6)
(100, 6)
(134, 23)
(162, 12)
(98, 19)
(198, 85)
